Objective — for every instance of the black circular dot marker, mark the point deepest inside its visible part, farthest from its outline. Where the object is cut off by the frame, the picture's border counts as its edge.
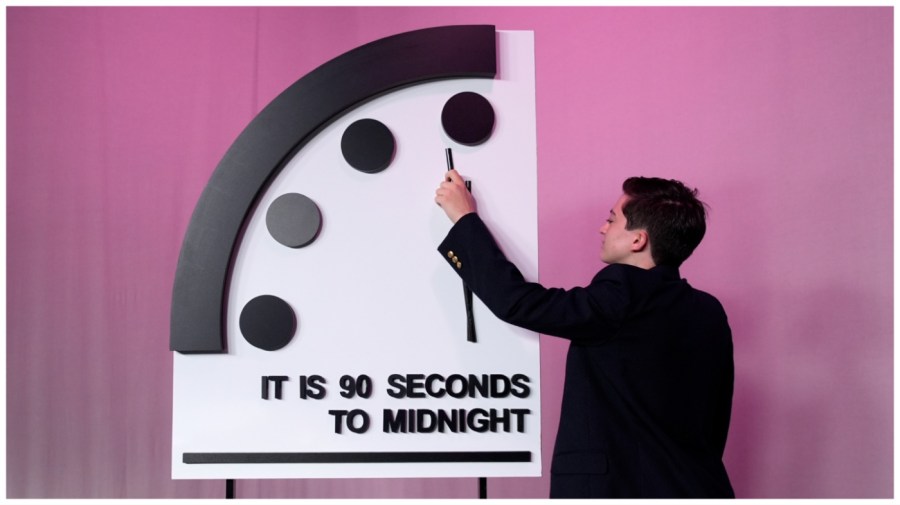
(268, 322)
(293, 220)
(368, 145)
(468, 118)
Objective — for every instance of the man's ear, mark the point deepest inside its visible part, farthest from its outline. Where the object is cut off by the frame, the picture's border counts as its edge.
(641, 241)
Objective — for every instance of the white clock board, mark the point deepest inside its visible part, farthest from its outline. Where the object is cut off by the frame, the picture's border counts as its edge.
(379, 311)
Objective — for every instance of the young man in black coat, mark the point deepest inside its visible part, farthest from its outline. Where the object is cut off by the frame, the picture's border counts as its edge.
(650, 371)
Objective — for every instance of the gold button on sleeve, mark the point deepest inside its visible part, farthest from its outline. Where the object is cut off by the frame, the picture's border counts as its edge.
(449, 254)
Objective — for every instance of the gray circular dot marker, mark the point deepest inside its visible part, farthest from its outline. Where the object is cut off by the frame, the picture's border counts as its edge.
(294, 220)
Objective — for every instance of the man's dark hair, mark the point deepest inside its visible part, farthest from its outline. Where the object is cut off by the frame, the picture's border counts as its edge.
(674, 218)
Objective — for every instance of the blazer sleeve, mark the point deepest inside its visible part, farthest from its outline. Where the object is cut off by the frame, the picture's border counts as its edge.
(592, 313)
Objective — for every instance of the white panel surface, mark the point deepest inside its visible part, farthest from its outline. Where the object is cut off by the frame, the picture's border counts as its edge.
(373, 296)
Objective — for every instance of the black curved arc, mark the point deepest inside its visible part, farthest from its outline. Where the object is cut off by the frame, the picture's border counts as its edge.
(273, 136)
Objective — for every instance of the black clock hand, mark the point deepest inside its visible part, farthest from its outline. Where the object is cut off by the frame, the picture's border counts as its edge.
(467, 293)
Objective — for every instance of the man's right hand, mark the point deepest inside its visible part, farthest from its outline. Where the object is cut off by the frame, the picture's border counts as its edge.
(454, 198)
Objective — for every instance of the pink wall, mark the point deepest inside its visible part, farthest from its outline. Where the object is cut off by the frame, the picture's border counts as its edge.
(782, 117)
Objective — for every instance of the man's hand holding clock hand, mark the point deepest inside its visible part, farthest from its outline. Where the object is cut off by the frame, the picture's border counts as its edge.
(454, 198)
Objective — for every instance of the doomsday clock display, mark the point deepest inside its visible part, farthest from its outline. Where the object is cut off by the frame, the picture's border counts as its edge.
(317, 332)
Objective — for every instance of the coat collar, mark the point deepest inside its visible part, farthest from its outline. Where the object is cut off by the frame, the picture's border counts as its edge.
(668, 273)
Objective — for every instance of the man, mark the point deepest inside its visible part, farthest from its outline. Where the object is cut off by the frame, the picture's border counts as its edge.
(649, 373)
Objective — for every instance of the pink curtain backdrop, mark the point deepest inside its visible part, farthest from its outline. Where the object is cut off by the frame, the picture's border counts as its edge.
(781, 116)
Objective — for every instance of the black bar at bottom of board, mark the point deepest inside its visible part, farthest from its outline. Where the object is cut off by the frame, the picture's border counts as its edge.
(355, 457)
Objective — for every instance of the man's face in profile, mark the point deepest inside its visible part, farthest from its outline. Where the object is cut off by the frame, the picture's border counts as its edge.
(617, 241)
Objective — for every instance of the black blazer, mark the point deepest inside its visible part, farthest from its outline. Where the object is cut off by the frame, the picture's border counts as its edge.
(649, 374)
